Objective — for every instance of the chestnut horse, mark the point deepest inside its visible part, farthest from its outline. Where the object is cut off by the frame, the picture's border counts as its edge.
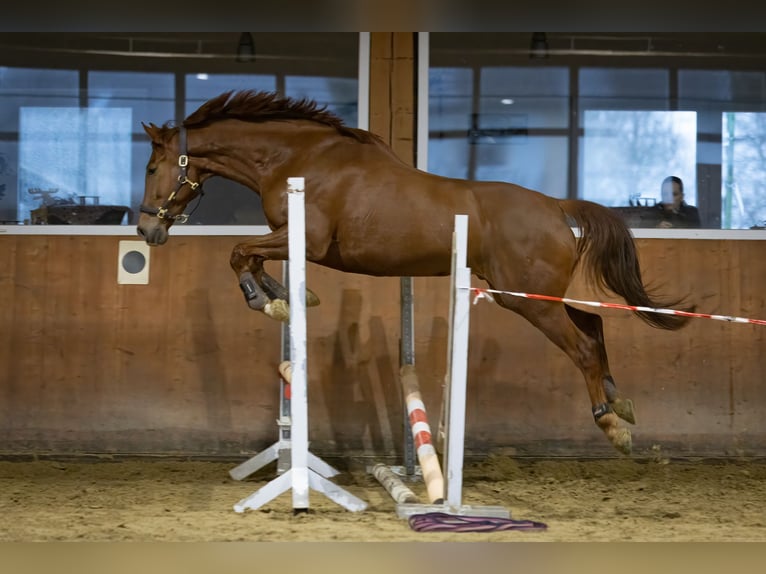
(368, 212)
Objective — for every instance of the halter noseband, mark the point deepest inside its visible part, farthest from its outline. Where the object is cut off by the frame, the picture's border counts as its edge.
(183, 163)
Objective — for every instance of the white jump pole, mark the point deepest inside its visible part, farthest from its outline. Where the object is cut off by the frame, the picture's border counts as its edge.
(299, 414)
(455, 388)
(460, 311)
(300, 477)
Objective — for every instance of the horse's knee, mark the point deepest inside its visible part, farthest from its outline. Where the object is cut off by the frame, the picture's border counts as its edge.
(242, 257)
(238, 260)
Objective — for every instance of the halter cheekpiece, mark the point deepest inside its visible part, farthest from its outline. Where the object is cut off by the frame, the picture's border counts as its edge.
(183, 163)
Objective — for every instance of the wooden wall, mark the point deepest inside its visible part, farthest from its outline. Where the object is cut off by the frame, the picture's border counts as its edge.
(392, 91)
(182, 366)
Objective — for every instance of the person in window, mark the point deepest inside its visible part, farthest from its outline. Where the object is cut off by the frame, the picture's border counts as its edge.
(674, 211)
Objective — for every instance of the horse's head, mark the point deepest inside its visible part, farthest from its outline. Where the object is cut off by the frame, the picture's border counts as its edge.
(171, 183)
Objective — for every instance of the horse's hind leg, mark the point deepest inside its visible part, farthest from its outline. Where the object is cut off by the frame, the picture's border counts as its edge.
(592, 325)
(554, 321)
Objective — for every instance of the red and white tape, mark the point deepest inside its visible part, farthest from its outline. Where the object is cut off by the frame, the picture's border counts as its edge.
(486, 294)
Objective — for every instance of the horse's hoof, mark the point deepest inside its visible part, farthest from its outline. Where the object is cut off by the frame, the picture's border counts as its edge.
(623, 408)
(311, 299)
(622, 441)
(278, 309)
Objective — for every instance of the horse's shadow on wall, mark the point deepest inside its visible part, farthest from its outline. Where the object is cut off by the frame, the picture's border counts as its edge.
(360, 384)
(207, 358)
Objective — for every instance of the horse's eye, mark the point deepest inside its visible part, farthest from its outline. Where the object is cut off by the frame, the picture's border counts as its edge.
(151, 170)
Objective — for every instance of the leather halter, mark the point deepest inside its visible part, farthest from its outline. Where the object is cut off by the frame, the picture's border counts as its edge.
(183, 163)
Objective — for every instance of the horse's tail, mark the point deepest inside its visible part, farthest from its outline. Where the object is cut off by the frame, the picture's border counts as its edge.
(607, 251)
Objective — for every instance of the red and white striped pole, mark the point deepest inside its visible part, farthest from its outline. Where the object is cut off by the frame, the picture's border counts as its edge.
(486, 294)
(421, 435)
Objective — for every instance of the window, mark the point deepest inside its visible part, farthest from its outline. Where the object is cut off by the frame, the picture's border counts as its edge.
(70, 129)
(200, 87)
(241, 205)
(731, 141)
(627, 154)
(26, 87)
(498, 123)
(338, 94)
(78, 156)
(604, 118)
(743, 196)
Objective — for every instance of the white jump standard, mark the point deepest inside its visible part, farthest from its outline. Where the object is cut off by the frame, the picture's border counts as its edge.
(455, 390)
(300, 477)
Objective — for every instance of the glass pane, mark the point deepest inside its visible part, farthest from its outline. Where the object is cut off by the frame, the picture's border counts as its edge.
(744, 171)
(34, 87)
(340, 95)
(201, 87)
(711, 89)
(627, 154)
(73, 156)
(518, 121)
(150, 96)
(26, 87)
(540, 94)
(450, 103)
(623, 89)
(8, 179)
(442, 153)
(539, 163)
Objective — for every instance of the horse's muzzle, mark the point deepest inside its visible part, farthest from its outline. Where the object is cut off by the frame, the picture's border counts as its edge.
(153, 234)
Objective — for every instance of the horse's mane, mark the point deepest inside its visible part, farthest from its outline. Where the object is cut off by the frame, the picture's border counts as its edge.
(252, 106)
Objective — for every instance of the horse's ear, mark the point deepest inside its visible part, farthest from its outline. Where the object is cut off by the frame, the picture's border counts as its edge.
(152, 130)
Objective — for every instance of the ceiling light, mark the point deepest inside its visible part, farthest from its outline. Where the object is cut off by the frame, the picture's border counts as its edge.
(538, 48)
(246, 48)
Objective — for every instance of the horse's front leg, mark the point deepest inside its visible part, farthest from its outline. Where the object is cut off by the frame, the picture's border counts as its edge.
(276, 290)
(262, 292)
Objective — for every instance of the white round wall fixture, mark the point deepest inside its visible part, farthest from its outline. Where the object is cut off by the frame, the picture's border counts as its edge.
(133, 263)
